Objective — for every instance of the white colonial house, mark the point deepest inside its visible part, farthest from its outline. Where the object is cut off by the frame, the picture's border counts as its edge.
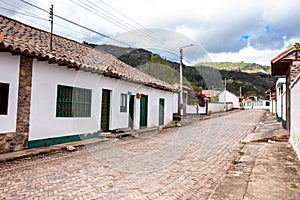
(228, 97)
(288, 92)
(70, 92)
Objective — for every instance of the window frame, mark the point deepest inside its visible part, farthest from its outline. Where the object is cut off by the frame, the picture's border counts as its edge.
(123, 102)
(73, 102)
(4, 98)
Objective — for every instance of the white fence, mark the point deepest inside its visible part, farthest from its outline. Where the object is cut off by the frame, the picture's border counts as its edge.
(264, 104)
(195, 109)
(219, 107)
(212, 108)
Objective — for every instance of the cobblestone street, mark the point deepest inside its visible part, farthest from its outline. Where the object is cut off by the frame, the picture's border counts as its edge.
(175, 163)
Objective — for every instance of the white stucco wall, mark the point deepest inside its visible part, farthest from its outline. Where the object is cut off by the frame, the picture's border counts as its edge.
(45, 124)
(192, 109)
(229, 98)
(9, 68)
(280, 91)
(283, 114)
(273, 106)
(175, 102)
(218, 107)
(295, 116)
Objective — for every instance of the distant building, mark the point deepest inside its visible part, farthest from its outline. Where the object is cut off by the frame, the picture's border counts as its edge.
(226, 96)
(211, 94)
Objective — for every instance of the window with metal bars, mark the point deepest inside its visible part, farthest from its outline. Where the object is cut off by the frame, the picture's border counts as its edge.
(73, 102)
(123, 103)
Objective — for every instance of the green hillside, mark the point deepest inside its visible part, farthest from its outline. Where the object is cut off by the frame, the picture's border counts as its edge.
(253, 78)
(237, 66)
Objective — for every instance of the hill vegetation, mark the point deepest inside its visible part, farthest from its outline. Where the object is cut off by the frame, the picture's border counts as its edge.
(254, 79)
(237, 66)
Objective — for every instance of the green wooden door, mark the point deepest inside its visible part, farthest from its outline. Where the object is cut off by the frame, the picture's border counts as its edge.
(161, 111)
(131, 111)
(105, 110)
(143, 111)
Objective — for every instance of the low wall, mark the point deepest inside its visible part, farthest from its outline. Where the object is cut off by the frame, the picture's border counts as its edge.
(264, 104)
(195, 109)
(212, 108)
(219, 107)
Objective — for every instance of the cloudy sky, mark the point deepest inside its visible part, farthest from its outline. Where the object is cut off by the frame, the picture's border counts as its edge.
(226, 30)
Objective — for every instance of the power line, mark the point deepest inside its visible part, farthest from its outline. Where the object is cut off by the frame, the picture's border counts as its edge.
(105, 16)
(76, 24)
(125, 25)
(25, 13)
(135, 22)
(139, 33)
(21, 13)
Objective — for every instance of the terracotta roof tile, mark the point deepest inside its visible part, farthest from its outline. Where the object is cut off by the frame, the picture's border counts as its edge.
(20, 38)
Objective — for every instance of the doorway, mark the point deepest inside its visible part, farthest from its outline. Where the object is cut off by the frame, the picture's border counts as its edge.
(161, 112)
(143, 111)
(131, 112)
(105, 110)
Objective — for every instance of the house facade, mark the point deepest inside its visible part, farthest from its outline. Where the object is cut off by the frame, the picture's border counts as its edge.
(227, 96)
(287, 64)
(70, 92)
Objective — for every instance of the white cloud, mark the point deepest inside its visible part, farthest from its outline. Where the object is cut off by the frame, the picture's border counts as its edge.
(216, 25)
(251, 55)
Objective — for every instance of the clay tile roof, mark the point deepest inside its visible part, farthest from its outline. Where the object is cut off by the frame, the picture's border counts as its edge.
(17, 37)
(211, 93)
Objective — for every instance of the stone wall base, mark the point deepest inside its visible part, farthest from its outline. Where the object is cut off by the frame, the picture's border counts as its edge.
(10, 142)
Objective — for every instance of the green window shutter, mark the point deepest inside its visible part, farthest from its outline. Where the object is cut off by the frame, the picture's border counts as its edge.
(73, 102)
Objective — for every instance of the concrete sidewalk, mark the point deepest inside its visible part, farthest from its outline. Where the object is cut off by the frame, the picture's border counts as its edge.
(266, 167)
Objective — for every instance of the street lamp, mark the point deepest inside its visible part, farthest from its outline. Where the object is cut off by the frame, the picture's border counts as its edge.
(225, 95)
(241, 91)
(180, 74)
(241, 102)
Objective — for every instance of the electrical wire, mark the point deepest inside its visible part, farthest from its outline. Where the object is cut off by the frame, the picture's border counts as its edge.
(76, 24)
(109, 16)
(151, 38)
(133, 21)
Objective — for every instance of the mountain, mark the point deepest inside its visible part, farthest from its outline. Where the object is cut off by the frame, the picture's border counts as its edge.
(237, 66)
(253, 79)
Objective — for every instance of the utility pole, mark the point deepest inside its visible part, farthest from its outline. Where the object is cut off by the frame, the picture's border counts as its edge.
(241, 91)
(180, 74)
(181, 92)
(51, 22)
(225, 97)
